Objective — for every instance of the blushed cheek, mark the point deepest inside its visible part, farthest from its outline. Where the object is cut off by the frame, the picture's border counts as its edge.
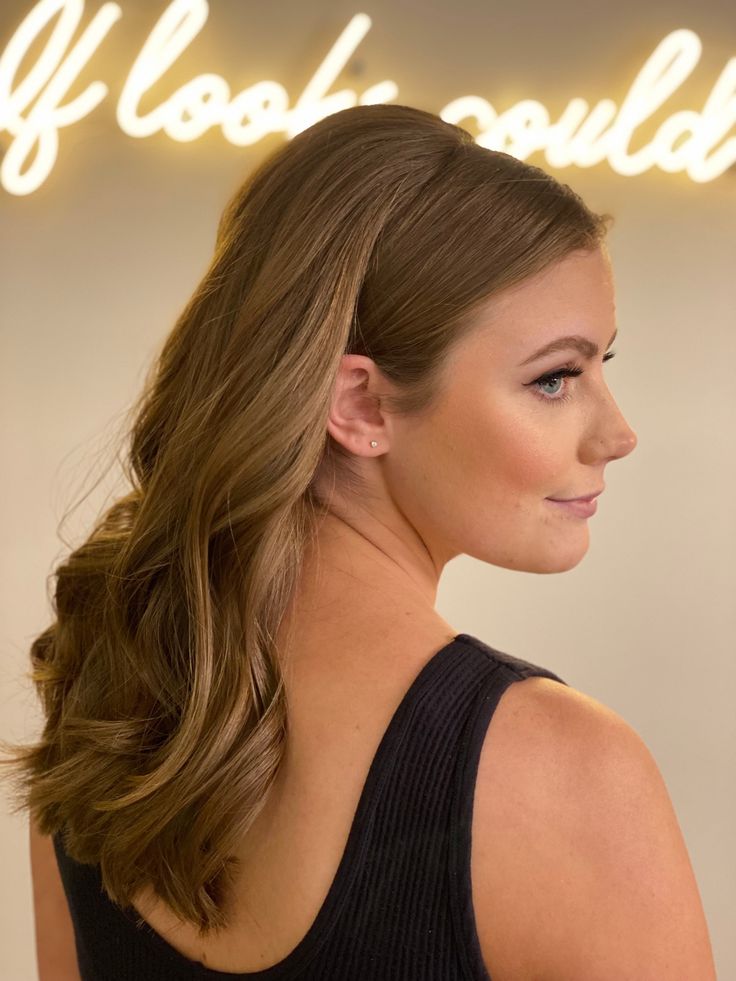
(522, 457)
(498, 444)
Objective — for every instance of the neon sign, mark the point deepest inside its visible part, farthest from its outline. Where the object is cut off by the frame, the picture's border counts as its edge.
(686, 141)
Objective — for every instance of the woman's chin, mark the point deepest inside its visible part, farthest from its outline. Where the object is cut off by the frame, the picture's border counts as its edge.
(558, 559)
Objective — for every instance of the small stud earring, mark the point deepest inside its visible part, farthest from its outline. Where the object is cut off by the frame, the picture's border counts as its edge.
(374, 443)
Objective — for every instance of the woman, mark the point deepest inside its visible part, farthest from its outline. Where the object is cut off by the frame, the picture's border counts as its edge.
(376, 375)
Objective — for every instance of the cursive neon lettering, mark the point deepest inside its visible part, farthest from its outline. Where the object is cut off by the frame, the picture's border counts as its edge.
(690, 141)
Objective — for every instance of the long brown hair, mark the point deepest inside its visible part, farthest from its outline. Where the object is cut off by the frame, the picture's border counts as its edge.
(376, 231)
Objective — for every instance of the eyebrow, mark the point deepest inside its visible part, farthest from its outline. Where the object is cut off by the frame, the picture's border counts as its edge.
(587, 348)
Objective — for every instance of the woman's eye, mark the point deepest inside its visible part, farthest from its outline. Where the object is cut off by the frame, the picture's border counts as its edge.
(552, 379)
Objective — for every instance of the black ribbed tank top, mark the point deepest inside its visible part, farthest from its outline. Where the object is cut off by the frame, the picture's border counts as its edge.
(400, 905)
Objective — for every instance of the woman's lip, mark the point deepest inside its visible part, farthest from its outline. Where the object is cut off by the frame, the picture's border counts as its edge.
(568, 500)
(583, 509)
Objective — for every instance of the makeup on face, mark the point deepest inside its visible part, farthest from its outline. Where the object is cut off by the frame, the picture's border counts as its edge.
(579, 509)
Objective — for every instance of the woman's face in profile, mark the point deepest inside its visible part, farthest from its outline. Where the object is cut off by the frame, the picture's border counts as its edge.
(481, 467)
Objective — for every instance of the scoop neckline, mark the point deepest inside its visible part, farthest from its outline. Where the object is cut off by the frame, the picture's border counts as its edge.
(321, 926)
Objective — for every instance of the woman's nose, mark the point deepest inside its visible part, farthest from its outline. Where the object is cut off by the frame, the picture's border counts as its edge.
(613, 437)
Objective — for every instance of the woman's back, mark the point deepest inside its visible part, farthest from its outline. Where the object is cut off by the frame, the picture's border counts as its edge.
(340, 707)
(534, 821)
(359, 865)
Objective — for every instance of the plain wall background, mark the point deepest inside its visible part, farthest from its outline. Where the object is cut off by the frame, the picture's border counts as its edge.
(97, 263)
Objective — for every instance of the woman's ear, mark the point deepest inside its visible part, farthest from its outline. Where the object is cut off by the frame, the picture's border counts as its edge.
(356, 420)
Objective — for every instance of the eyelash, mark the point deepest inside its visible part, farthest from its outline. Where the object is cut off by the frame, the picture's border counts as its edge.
(566, 371)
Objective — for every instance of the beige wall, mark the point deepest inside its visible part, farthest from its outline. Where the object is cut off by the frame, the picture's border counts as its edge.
(99, 260)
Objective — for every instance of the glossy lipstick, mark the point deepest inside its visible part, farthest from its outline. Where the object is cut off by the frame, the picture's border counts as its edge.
(582, 508)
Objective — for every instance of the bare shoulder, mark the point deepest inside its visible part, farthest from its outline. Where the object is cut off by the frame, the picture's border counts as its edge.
(579, 868)
(56, 953)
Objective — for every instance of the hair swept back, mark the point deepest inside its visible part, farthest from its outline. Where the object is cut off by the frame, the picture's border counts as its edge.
(376, 231)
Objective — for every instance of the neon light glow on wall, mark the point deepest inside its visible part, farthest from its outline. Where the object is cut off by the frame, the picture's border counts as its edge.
(686, 141)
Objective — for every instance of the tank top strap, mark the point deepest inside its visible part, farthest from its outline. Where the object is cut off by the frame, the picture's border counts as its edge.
(496, 671)
(408, 863)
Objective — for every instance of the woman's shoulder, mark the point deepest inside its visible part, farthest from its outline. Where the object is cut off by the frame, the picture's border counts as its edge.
(579, 867)
(545, 738)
